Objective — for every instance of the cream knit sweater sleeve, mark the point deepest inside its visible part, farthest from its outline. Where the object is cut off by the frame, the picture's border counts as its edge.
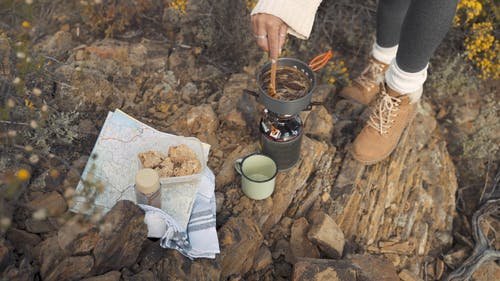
(297, 14)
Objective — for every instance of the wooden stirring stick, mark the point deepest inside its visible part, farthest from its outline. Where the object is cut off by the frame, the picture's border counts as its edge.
(272, 82)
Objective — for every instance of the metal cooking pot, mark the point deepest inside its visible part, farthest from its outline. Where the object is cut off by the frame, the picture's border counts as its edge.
(291, 107)
(287, 107)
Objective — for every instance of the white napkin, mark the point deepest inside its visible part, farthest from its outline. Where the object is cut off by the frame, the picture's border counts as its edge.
(201, 240)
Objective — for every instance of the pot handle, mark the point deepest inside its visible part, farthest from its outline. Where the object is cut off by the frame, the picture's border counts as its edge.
(319, 61)
(252, 93)
(313, 103)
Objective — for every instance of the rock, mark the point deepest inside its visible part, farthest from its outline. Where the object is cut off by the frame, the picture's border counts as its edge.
(294, 185)
(323, 92)
(227, 173)
(85, 244)
(233, 90)
(348, 110)
(376, 268)
(319, 123)
(22, 240)
(49, 255)
(247, 116)
(219, 201)
(323, 270)
(120, 238)
(282, 270)
(86, 126)
(233, 111)
(318, 184)
(439, 269)
(206, 73)
(263, 259)
(71, 234)
(299, 244)
(144, 275)
(41, 225)
(395, 259)
(410, 195)
(183, 63)
(5, 256)
(234, 118)
(25, 271)
(424, 124)
(343, 131)
(71, 268)
(110, 276)
(454, 259)
(113, 74)
(199, 121)
(487, 272)
(57, 45)
(406, 275)
(53, 202)
(240, 238)
(202, 122)
(189, 93)
(175, 266)
(94, 90)
(150, 255)
(326, 234)
(396, 247)
(282, 248)
(343, 270)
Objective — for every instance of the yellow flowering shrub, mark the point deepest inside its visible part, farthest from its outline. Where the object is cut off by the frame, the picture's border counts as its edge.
(179, 5)
(479, 19)
(483, 50)
(336, 72)
(467, 10)
(251, 4)
(23, 174)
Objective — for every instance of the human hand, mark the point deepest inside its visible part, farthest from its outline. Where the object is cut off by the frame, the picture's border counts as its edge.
(270, 32)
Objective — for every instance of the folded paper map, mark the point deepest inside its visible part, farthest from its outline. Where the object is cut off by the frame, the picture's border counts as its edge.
(114, 163)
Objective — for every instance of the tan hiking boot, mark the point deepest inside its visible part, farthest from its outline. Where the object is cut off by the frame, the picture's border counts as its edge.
(365, 87)
(380, 136)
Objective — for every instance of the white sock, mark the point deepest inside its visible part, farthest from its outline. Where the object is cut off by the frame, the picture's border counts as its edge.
(385, 55)
(406, 83)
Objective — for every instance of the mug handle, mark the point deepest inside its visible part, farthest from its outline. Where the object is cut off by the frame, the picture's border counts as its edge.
(237, 165)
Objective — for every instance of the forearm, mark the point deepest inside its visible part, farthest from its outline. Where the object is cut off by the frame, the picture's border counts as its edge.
(297, 14)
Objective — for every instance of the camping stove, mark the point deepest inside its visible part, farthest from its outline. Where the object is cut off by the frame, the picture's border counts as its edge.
(281, 127)
(281, 138)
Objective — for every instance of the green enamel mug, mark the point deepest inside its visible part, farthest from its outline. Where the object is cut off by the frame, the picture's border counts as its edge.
(258, 174)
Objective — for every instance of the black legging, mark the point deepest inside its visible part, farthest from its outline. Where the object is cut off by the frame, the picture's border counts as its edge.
(418, 26)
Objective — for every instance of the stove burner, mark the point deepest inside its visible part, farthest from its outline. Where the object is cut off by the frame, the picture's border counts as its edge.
(280, 128)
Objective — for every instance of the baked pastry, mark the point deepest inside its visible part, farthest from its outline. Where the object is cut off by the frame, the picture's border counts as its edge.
(181, 161)
(151, 159)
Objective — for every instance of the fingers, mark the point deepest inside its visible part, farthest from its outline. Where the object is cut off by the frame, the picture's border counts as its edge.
(282, 38)
(273, 40)
(267, 30)
(260, 32)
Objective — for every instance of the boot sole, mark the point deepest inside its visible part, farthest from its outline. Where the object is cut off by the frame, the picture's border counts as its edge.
(371, 162)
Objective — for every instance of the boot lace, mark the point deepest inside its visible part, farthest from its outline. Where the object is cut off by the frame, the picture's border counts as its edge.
(383, 115)
(371, 75)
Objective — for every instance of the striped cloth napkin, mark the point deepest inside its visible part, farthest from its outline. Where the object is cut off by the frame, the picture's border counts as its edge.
(200, 239)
